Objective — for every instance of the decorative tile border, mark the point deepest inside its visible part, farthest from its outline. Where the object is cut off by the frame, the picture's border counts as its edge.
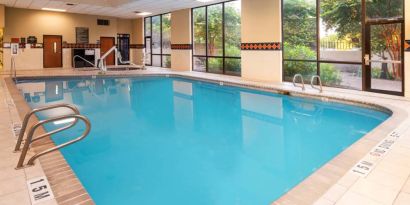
(37, 45)
(137, 46)
(271, 46)
(181, 46)
(407, 45)
(81, 45)
(78, 45)
(23, 45)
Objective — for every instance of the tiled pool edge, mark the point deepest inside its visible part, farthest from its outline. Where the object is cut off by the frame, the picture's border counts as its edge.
(312, 188)
(66, 187)
(248, 85)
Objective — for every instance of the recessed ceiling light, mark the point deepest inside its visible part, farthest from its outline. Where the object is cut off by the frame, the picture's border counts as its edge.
(51, 9)
(140, 13)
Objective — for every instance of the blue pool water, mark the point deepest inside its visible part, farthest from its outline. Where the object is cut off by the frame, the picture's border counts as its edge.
(158, 140)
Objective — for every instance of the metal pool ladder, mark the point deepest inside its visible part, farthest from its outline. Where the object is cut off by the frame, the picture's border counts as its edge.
(301, 79)
(29, 139)
(320, 83)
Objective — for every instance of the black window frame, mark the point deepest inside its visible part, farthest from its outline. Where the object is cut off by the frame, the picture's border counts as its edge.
(161, 54)
(318, 60)
(365, 76)
(206, 56)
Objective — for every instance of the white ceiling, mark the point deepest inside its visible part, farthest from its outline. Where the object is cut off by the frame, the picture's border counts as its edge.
(115, 8)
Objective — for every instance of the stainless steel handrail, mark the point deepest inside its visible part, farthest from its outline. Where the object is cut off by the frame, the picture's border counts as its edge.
(13, 71)
(320, 83)
(28, 115)
(29, 140)
(77, 56)
(301, 78)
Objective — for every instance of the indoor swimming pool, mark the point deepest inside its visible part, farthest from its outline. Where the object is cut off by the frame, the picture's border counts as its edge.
(170, 140)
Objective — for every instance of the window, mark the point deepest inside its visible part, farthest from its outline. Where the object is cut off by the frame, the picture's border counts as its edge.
(323, 37)
(216, 41)
(158, 40)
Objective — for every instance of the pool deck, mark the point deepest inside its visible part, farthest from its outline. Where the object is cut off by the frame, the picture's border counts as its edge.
(387, 182)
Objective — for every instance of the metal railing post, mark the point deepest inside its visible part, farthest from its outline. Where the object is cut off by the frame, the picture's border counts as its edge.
(301, 79)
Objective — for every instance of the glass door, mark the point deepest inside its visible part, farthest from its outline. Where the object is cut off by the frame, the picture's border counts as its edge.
(123, 42)
(148, 48)
(384, 40)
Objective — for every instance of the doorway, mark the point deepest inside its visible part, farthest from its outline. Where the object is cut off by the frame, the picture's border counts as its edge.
(106, 44)
(52, 51)
(123, 42)
(383, 48)
(148, 51)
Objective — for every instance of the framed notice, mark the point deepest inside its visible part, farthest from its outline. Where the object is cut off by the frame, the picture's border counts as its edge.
(14, 49)
(81, 34)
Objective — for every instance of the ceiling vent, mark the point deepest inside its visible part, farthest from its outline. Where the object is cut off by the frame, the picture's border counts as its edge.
(103, 22)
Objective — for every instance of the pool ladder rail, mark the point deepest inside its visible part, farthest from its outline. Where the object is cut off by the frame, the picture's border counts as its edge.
(296, 76)
(29, 139)
(319, 81)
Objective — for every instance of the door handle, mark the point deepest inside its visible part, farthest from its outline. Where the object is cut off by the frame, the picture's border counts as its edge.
(366, 59)
(55, 47)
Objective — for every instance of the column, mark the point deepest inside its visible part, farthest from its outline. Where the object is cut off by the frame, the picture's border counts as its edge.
(2, 23)
(261, 40)
(137, 41)
(407, 51)
(181, 45)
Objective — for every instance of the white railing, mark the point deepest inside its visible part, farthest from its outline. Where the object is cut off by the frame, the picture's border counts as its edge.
(102, 64)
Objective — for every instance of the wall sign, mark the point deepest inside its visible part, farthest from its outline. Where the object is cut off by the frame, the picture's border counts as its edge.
(39, 190)
(32, 39)
(81, 34)
(14, 49)
(89, 52)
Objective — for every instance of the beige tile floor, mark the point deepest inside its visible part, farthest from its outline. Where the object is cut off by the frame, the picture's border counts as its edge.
(13, 188)
(387, 183)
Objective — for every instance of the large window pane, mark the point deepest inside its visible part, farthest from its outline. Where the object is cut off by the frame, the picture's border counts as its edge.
(166, 61)
(232, 66)
(233, 29)
(156, 35)
(376, 9)
(166, 34)
(199, 30)
(299, 29)
(200, 64)
(147, 26)
(158, 28)
(215, 65)
(215, 30)
(341, 75)
(340, 30)
(217, 38)
(156, 60)
(307, 69)
(386, 56)
(148, 51)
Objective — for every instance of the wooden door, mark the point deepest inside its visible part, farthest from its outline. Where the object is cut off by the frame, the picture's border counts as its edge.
(52, 51)
(107, 43)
